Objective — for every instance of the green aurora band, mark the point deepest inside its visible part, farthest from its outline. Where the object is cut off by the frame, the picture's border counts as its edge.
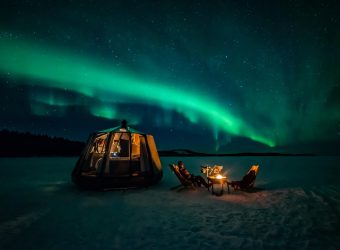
(62, 70)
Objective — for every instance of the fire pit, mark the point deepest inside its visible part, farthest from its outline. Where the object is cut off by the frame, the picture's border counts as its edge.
(218, 181)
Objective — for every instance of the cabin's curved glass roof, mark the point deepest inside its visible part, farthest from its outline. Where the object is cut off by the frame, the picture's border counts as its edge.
(120, 129)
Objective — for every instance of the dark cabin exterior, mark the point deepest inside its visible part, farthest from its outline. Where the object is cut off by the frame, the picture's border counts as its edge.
(119, 157)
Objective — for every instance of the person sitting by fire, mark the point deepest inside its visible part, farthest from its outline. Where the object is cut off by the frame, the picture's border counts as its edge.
(199, 180)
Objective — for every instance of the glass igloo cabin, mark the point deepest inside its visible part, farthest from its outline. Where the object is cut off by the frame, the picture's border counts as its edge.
(119, 157)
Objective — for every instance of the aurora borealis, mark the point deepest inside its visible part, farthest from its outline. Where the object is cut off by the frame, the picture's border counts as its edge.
(196, 74)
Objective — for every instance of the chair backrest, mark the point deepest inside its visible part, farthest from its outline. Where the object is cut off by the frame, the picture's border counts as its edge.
(181, 178)
(249, 179)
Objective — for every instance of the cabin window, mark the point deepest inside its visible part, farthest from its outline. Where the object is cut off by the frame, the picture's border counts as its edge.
(135, 147)
(95, 154)
(120, 148)
(144, 161)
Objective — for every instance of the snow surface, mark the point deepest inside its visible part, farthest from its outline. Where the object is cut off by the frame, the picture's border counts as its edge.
(296, 206)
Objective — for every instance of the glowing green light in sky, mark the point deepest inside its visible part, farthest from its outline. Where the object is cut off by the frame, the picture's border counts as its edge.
(103, 111)
(51, 100)
(40, 109)
(61, 70)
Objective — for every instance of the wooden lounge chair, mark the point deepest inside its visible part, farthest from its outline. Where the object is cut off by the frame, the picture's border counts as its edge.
(185, 183)
(248, 181)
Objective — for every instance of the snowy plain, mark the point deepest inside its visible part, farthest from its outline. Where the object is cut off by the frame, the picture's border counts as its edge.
(296, 206)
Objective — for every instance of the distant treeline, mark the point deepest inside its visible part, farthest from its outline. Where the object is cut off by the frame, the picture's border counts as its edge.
(14, 144)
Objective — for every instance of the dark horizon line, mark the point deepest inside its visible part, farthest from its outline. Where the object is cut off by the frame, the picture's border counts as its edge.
(74, 148)
(191, 153)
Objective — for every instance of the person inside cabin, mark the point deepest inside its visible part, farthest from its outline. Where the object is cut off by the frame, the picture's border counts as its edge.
(199, 180)
(100, 145)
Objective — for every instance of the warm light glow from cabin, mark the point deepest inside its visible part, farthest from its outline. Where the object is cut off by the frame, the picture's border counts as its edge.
(219, 176)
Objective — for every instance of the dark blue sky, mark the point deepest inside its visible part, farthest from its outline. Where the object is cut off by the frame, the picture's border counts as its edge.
(205, 75)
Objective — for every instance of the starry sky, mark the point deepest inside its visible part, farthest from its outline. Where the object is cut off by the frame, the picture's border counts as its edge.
(214, 76)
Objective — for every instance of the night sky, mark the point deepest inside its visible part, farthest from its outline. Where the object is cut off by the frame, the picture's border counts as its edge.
(214, 76)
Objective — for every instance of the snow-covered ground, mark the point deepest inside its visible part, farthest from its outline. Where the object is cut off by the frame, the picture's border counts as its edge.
(297, 206)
